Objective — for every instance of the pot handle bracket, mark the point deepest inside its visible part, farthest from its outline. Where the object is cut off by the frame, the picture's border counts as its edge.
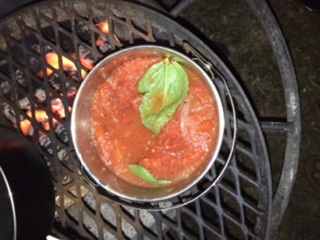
(217, 76)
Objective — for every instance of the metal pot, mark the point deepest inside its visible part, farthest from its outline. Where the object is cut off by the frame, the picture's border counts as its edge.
(81, 131)
(26, 191)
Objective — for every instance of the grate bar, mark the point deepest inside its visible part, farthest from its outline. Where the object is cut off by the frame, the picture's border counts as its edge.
(180, 7)
(246, 203)
(225, 214)
(276, 127)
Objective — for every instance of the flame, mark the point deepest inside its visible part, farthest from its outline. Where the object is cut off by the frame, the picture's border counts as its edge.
(58, 108)
(47, 71)
(40, 115)
(26, 127)
(52, 59)
(46, 126)
(83, 73)
(103, 27)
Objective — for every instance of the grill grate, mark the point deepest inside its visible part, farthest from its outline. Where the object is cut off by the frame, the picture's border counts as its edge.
(36, 98)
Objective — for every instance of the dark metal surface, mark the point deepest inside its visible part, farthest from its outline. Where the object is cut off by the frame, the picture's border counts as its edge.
(180, 6)
(290, 126)
(237, 208)
(8, 7)
(289, 82)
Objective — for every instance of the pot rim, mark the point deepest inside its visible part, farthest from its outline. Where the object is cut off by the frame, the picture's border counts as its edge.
(12, 205)
(215, 95)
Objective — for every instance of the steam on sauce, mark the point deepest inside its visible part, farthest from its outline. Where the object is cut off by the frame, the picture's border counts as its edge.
(183, 146)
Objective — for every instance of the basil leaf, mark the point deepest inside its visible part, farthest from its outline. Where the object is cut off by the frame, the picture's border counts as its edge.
(145, 175)
(164, 86)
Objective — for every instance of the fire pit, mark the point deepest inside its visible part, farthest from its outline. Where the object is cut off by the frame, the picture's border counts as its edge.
(47, 50)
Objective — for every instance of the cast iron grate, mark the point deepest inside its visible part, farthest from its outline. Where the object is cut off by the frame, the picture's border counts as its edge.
(36, 98)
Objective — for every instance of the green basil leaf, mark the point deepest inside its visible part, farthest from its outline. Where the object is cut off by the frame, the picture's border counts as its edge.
(164, 86)
(145, 175)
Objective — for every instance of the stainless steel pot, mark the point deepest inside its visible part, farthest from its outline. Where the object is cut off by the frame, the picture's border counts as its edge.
(81, 131)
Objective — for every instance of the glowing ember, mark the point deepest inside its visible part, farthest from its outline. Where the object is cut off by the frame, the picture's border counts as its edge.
(83, 73)
(40, 116)
(103, 27)
(46, 126)
(47, 71)
(52, 59)
(87, 63)
(58, 108)
(26, 127)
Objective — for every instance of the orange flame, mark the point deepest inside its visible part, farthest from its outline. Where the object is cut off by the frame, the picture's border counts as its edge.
(47, 71)
(103, 27)
(26, 127)
(40, 115)
(52, 59)
(46, 126)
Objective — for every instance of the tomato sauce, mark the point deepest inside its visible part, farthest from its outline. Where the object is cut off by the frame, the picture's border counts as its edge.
(183, 145)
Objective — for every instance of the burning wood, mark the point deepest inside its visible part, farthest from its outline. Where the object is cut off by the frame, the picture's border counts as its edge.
(86, 59)
(46, 126)
(57, 108)
(103, 27)
(26, 127)
(52, 59)
(40, 115)
(86, 62)
(103, 44)
(68, 65)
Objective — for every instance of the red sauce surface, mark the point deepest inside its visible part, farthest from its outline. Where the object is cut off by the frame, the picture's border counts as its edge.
(182, 146)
